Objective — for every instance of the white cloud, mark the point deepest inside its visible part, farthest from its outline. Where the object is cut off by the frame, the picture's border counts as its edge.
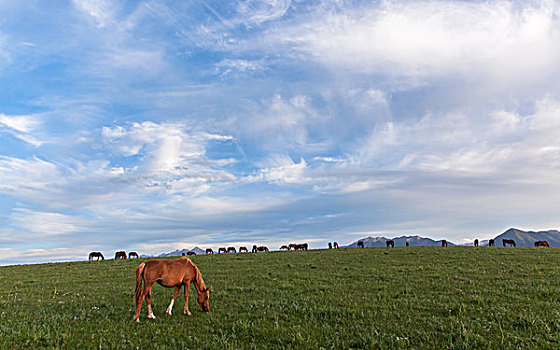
(101, 11)
(22, 126)
(41, 224)
(259, 11)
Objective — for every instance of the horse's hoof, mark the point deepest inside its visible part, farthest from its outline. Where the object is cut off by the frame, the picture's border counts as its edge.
(188, 313)
(168, 312)
(151, 317)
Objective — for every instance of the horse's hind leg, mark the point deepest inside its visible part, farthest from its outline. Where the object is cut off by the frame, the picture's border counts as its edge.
(177, 289)
(148, 294)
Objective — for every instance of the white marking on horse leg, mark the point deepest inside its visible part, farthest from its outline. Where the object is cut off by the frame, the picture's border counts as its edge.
(170, 307)
(188, 313)
(150, 313)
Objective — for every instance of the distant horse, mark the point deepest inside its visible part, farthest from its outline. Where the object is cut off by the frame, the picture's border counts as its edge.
(335, 245)
(243, 249)
(330, 245)
(293, 246)
(120, 255)
(303, 246)
(170, 274)
(191, 253)
(407, 244)
(96, 255)
(491, 243)
(360, 244)
(132, 255)
(222, 249)
(284, 247)
(231, 250)
(209, 251)
(444, 243)
(542, 244)
(511, 242)
(476, 242)
(259, 249)
(390, 243)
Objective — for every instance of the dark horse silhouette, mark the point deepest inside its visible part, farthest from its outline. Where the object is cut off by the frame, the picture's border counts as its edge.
(407, 243)
(444, 243)
(209, 251)
(120, 255)
(284, 247)
(476, 242)
(511, 242)
(542, 244)
(259, 249)
(231, 250)
(243, 249)
(97, 255)
(390, 243)
(132, 255)
(191, 253)
(222, 249)
(360, 244)
(335, 245)
(491, 243)
(330, 245)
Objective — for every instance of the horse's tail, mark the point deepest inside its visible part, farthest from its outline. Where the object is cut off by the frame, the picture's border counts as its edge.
(139, 278)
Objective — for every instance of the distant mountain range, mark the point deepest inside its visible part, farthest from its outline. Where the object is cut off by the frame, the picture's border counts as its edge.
(414, 241)
(521, 238)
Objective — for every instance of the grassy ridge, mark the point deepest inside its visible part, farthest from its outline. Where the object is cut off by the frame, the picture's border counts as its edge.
(459, 297)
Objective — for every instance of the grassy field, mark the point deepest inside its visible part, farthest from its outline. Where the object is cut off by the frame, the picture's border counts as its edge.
(457, 298)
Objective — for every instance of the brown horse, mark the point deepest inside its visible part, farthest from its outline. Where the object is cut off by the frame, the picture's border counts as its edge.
(390, 243)
(335, 245)
(511, 242)
(284, 247)
(262, 248)
(542, 244)
(360, 244)
(491, 243)
(222, 249)
(444, 243)
(476, 242)
(132, 255)
(96, 255)
(209, 251)
(243, 249)
(120, 255)
(231, 250)
(170, 274)
(303, 246)
(293, 246)
(191, 253)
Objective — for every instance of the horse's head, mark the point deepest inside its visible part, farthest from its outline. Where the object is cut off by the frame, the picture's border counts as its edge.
(204, 299)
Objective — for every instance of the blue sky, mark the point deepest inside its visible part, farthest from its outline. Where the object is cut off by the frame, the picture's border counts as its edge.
(160, 125)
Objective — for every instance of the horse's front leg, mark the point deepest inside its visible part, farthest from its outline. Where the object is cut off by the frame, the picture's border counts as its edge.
(177, 289)
(186, 311)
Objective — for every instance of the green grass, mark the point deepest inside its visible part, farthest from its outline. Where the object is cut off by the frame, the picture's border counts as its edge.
(457, 298)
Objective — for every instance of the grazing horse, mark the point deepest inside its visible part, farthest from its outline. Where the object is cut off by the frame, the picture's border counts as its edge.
(96, 255)
(444, 243)
(231, 250)
(243, 249)
(191, 253)
(407, 244)
(170, 274)
(491, 243)
(284, 247)
(293, 246)
(259, 249)
(132, 254)
(511, 242)
(360, 244)
(209, 251)
(303, 246)
(335, 245)
(222, 249)
(390, 243)
(120, 255)
(330, 245)
(542, 244)
(476, 242)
